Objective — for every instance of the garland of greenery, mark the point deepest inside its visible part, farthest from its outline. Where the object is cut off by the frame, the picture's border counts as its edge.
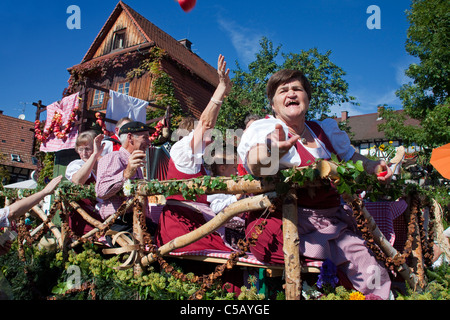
(351, 177)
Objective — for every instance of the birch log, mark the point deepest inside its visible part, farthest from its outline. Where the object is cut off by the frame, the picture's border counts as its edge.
(441, 239)
(327, 169)
(240, 185)
(54, 229)
(85, 215)
(122, 243)
(138, 234)
(249, 204)
(291, 248)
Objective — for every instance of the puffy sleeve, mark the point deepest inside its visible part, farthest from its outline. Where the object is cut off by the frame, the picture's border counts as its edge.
(184, 159)
(73, 167)
(339, 139)
(257, 133)
(220, 201)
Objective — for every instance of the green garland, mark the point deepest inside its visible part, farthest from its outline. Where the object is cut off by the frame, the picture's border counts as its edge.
(159, 285)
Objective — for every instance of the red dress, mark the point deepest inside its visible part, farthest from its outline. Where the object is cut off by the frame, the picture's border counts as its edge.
(176, 220)
(77, 224)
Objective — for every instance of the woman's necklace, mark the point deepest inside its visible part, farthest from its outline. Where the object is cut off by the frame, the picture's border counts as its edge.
(302, 139)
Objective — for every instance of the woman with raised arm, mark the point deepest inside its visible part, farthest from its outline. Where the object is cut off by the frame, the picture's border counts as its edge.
(181, 216)
(83, 171)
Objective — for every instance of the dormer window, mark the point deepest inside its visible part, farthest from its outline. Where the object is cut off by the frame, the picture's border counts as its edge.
(15, 157)
(118, 40)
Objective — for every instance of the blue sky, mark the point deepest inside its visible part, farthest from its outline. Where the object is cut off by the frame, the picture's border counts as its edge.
(37, 46)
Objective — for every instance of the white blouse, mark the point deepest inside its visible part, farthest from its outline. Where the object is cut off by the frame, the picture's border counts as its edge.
(184, 159)
(259, 130)
(73, 167)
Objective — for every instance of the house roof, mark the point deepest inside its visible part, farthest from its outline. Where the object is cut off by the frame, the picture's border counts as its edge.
(154, 35)
(365, 127)
(17, 141)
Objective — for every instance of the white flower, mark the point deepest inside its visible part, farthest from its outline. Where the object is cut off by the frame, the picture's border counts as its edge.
(127, 188)
(309, 292)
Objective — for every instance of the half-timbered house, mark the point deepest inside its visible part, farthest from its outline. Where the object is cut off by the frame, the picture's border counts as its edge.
(133, 56)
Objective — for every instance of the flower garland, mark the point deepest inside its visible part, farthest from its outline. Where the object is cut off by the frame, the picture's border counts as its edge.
(101, 122)
(55, 127)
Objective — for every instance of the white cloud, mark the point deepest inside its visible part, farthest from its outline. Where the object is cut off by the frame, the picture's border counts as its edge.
(245, 40)
(400, 69)
(369, 101)
(370, 98)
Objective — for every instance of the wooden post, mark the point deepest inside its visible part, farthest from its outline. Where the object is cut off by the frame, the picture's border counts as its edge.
(40, 108)
(417, 250)
(138, 234)
(291, 242)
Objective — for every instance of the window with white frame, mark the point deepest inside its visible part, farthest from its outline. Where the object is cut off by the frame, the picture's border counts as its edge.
(123, 88)
(98, 97)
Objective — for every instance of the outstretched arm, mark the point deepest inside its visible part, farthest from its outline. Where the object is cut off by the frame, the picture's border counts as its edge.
(208, 117)
(19, 208)
(374, 167)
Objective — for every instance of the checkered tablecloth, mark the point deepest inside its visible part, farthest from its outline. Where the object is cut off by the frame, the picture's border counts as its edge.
(389, 219)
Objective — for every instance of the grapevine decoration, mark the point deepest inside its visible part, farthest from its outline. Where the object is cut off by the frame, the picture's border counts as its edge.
(348, 178)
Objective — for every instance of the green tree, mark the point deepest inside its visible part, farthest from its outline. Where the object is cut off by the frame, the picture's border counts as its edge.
(426, 97)
(248, 94)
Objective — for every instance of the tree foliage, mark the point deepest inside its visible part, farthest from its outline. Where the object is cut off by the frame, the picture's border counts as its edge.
(426, 97)
(248, 94)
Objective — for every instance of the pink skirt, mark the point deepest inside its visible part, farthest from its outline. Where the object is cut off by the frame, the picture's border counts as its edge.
(325, 234)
